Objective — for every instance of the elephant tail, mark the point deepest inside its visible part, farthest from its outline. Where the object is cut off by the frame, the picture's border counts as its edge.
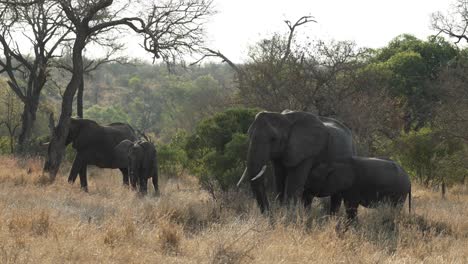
(409, 200)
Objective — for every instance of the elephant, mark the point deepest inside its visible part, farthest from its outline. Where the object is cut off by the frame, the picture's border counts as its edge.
(142, 160)
(95, 145)
(295, 142)
(360, 181)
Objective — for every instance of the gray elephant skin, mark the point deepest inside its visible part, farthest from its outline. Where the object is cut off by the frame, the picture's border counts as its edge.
(295, 143)
(95, 145)
(361, 181)
(142, 163)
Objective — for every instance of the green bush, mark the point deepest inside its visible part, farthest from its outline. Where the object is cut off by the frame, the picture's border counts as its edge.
(172, 158)
(218, 148)
(430, 157)
(5, 145)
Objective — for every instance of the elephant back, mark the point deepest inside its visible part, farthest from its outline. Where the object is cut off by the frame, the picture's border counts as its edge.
(340, 141)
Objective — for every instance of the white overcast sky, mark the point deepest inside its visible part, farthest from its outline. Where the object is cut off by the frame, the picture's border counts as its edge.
(370, 23)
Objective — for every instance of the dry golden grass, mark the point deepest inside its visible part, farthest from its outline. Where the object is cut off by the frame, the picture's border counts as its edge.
(44, 222)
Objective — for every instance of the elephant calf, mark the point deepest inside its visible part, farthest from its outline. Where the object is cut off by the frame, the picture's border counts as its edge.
(142, 163)
(360, 181)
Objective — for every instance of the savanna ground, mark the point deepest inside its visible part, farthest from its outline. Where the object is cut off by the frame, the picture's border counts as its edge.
(58, 223)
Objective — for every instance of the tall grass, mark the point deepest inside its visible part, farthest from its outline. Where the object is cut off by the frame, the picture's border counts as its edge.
(44, 222)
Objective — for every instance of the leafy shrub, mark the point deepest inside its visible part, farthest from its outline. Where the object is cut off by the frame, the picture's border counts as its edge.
(430, 157)
(217, 150)
(5, 145)
(172, 158)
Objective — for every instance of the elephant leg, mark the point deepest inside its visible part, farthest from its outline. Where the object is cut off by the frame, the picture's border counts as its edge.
(351, 209)
(84, 178)
(335, 203)
(143, 179)
(154, 178)
(125, 175)
(307, 199)
(258, 188)
(76, 168)
(133, 181)
(295, 181)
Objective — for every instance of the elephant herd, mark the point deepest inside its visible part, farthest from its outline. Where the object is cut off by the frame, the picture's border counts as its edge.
(114, 146)
(312, 156)
(316, 156)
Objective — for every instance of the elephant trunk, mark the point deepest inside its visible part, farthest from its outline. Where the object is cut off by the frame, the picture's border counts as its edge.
(257, 159)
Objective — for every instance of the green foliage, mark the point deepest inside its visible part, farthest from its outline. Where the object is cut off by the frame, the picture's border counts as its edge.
(106, 114)
(436, 51)
(409, 71)
(145, 111)
(5, 145)
(134, 82)
(218, 148)
(172, 158)
(428, 156)
(10, 113)
(407, 67)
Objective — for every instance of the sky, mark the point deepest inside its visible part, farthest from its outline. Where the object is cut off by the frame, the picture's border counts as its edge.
(370, 23)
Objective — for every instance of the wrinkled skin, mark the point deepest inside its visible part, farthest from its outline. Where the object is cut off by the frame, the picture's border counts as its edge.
(142, 160)
(95, 145)
(296, 143)
(361, 181)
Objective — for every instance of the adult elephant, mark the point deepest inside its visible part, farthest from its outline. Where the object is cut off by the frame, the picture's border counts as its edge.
(95, 145)
(296, 143)
(142, 163)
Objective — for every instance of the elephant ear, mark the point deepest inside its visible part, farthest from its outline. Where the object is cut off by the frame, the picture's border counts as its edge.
(308, 137)
(121, 151)
(74, 132)
(341, 176)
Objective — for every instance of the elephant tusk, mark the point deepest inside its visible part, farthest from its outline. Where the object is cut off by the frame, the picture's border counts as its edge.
(260, 173)
(242, 177)
(45, 144)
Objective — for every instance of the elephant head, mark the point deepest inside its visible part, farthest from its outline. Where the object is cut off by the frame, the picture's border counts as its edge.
(132, 154)
(141, 159)
(74, 130)
(137, 159)
(330, 178)
(289, 138)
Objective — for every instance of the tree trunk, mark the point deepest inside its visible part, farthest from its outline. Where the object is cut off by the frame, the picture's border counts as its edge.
(27, 122)
(12, 143)
(57, 144)
(443, 189)
(79, 99)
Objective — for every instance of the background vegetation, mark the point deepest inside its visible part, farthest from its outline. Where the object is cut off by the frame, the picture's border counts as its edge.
(405, 101)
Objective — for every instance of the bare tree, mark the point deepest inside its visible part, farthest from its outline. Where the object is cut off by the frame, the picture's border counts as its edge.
(169, 30)
(262, 79)
(283, 74)
(90, 65)
(20, 2)
(452, 113)
(43, 26)
(453, 23)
